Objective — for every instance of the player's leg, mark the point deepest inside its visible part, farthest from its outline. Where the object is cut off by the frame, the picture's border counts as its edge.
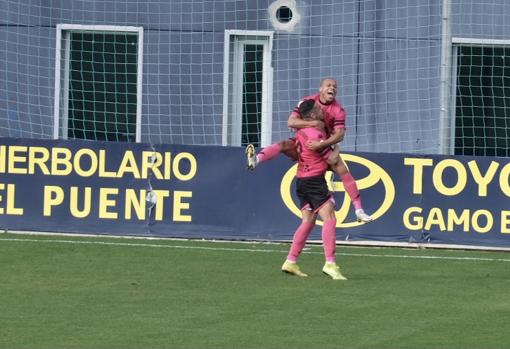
(298, 243)
(301, 235)
(338, 166)
(327, 214)
(286, 146)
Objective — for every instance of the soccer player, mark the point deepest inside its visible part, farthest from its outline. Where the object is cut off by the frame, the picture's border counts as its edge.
(334, 121)
(314, 197)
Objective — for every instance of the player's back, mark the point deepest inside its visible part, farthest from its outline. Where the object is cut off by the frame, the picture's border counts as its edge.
(310, 162)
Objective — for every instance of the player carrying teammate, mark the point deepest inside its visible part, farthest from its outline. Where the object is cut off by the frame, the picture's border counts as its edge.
(314, 197)
(334, 121)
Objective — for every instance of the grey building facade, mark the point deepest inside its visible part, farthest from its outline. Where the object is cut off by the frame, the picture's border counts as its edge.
(388, 57)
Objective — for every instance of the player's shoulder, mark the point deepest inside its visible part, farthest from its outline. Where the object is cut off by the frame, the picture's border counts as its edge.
(336, 104)
(315, 97)
(336, 107)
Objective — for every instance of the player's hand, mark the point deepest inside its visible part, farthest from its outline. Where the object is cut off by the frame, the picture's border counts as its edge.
(315, 145)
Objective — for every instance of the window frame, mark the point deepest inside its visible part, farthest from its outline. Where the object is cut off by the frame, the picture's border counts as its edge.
(457, 43)
(62, 67)
(233, 80)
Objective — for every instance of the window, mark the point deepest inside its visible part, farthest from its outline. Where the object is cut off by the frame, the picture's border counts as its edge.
(247, 102)
(98, 83)
(482, 99)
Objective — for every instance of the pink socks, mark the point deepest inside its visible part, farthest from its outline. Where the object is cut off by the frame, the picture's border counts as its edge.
(299, 241)
(269, 152)
(329, 240)
(352, 190)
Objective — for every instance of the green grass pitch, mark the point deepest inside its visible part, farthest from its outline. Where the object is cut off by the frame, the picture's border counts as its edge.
(88, 292)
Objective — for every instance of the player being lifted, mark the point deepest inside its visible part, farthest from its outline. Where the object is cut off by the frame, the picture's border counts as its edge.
(314, 196)
(334, 122)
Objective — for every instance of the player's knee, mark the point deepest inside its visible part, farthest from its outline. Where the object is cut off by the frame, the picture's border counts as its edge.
(339, 167)
(328, 216)
(333, 160)
(308, 217)
(287, 145)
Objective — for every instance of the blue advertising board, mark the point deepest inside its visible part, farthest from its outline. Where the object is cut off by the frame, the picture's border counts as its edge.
(206, 192)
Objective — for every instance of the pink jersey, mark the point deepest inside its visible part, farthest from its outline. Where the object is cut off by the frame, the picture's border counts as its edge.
(310, 163)
(334, 113)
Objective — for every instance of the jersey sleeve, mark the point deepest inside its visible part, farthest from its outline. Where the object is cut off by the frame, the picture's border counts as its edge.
(339, 117)
(295, 112)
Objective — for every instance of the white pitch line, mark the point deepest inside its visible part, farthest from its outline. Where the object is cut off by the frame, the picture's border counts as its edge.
(231, 249)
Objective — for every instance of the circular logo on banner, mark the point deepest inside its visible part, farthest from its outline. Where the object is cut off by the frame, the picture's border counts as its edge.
(376, 176)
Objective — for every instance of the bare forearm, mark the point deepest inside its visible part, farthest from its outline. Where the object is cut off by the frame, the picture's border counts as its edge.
(294, 122)
(336, 137)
